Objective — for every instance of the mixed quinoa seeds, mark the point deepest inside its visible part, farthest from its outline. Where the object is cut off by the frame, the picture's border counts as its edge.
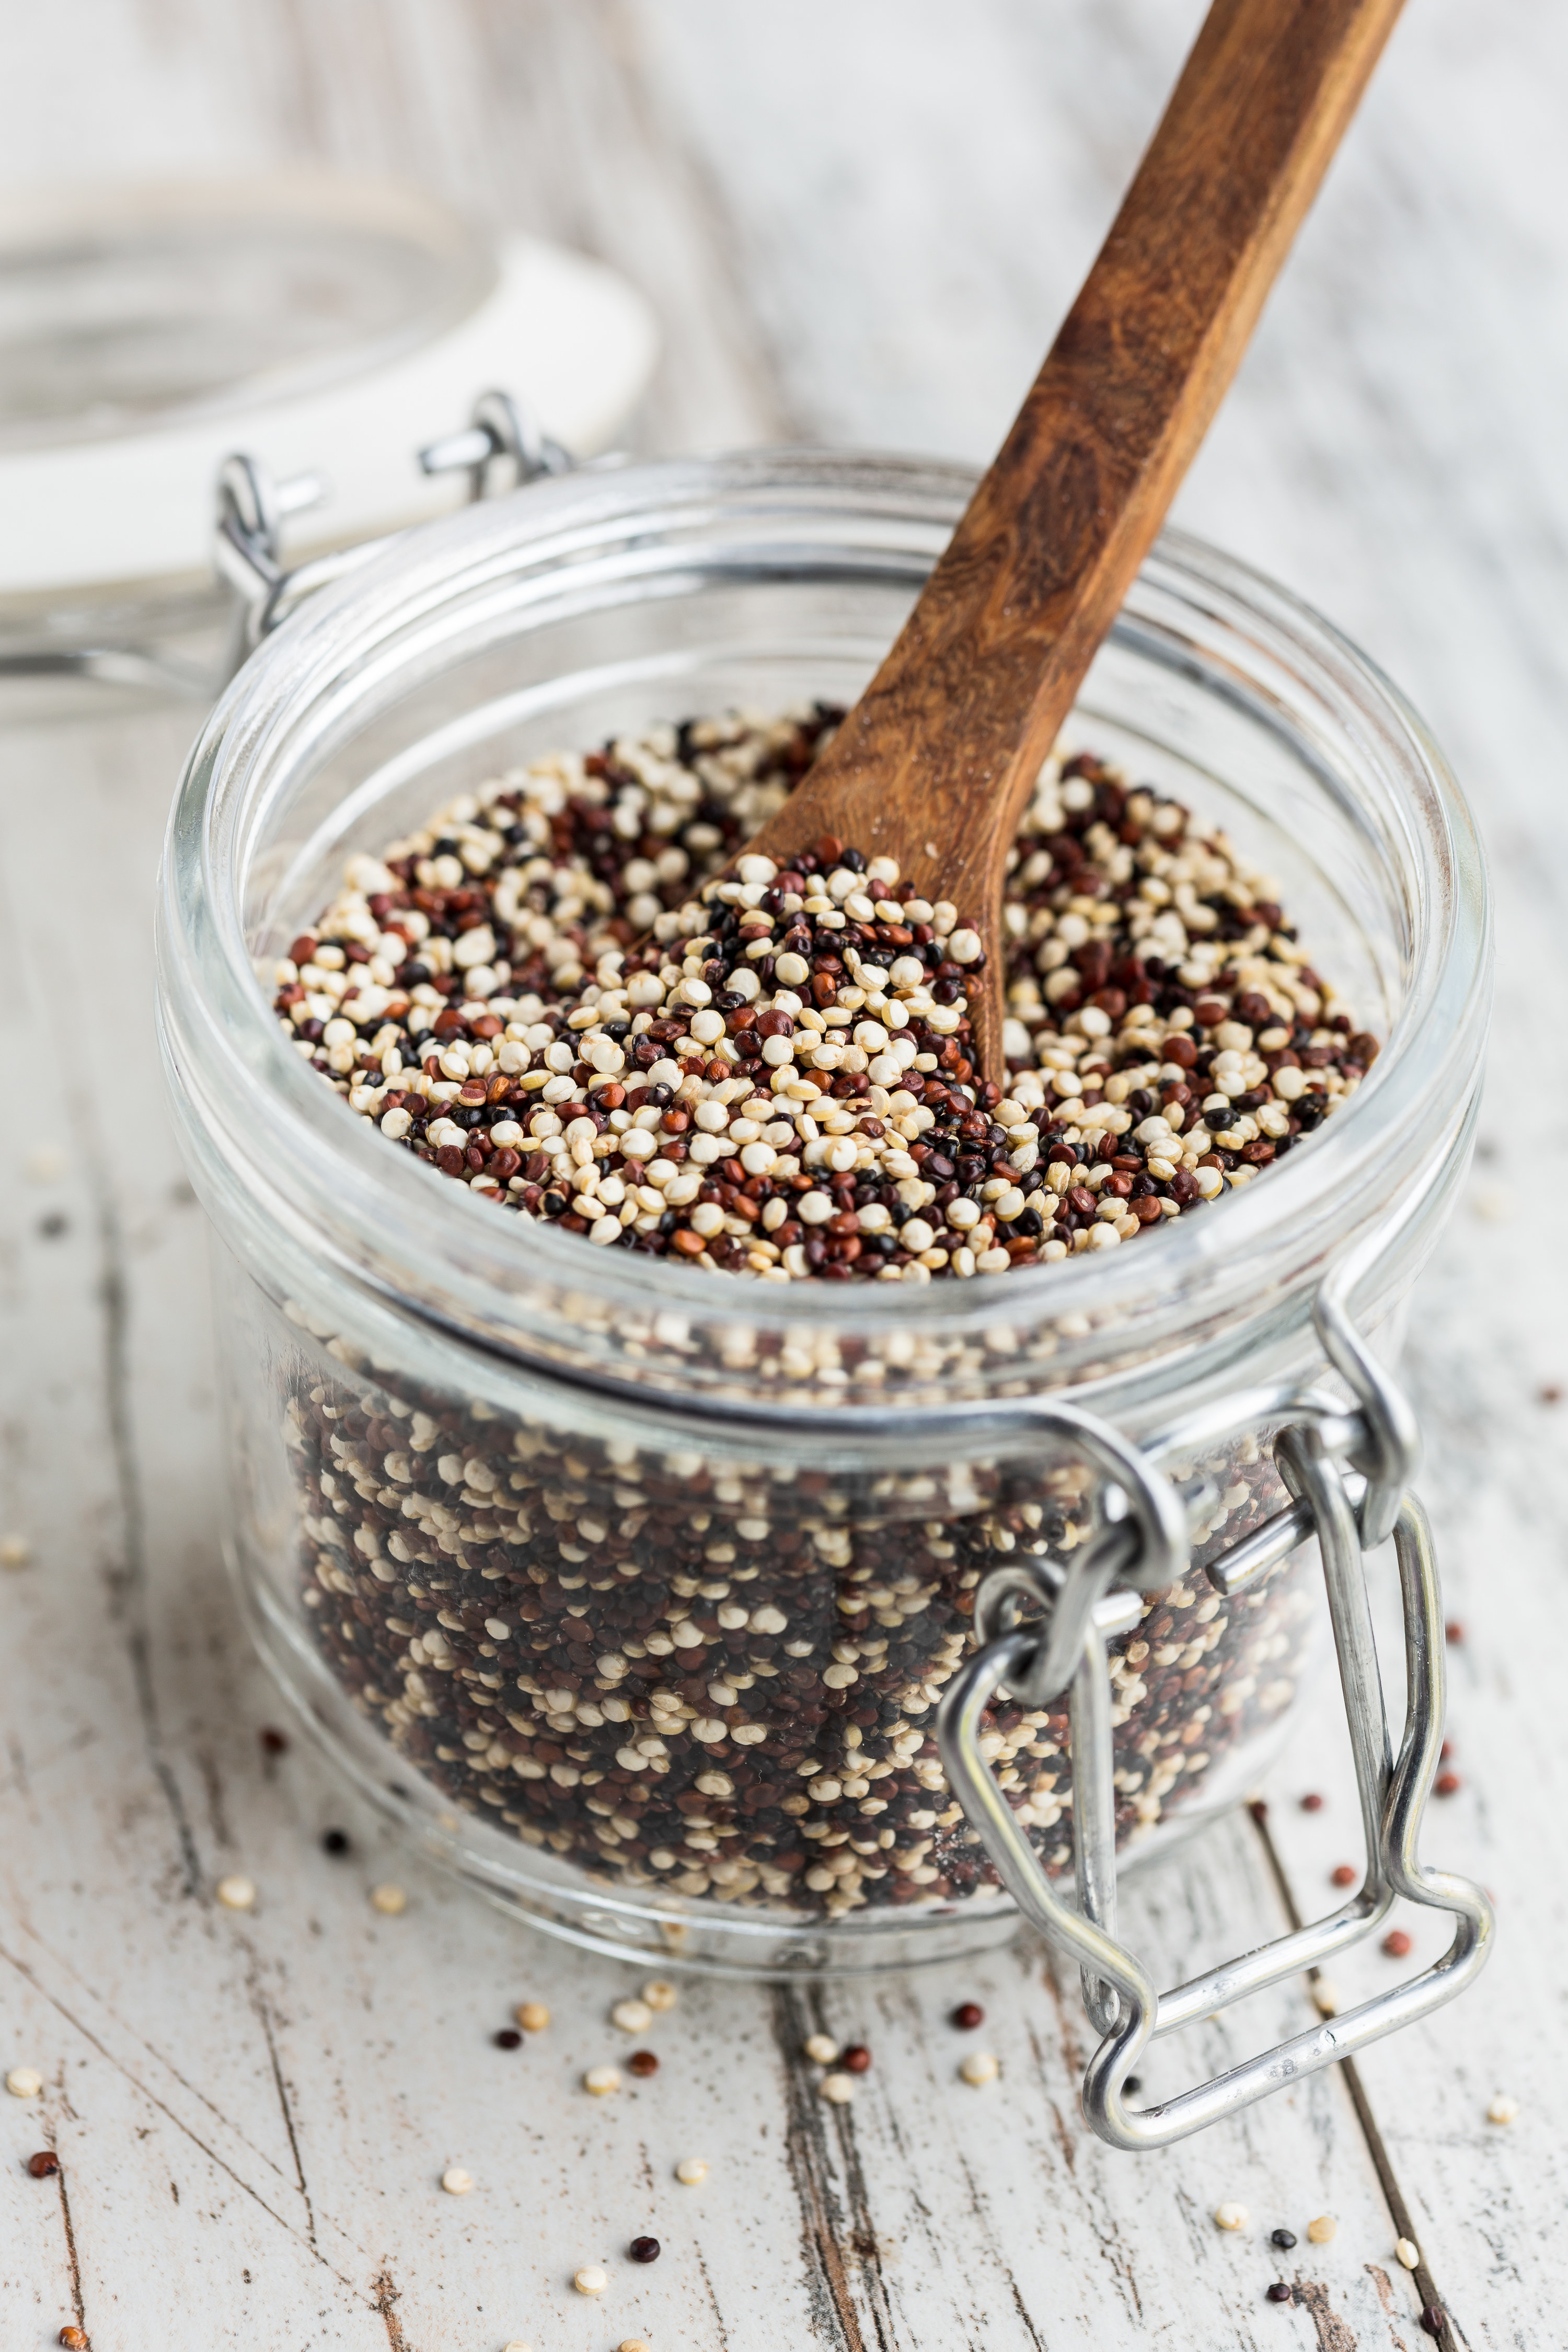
(700, 1681)
(693, 1677)
(549, 996)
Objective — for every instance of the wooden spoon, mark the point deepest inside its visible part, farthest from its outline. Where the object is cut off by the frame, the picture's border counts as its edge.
(937, 761)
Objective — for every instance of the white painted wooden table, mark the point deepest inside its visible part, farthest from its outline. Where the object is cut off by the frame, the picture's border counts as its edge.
(858, 222)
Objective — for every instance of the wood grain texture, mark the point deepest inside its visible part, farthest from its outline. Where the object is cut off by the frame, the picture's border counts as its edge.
(935, 764)
(876, 253)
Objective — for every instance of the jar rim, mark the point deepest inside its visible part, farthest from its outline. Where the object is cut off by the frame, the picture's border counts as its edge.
(518, 1287)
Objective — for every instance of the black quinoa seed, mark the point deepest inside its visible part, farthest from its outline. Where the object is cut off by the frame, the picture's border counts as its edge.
(1283, 2239)
(1278, 2291)
(509, 2038)
(335, 1842)
(643, 2249)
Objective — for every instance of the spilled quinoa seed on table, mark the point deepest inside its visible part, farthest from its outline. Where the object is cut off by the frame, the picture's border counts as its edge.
(576, 994)
(548, 995)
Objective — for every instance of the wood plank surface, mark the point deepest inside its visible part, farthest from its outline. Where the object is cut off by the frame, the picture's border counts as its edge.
(857, 224)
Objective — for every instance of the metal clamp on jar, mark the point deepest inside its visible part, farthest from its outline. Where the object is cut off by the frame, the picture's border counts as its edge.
(1349, 1472)
(502, 447)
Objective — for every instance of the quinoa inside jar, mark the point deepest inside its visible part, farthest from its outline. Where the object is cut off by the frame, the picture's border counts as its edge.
(629, 1568)
(556, 994)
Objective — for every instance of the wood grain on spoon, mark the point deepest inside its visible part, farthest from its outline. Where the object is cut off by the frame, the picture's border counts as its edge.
(935, 764)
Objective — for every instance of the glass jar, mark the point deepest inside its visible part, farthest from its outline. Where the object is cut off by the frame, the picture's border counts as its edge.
(631, 1591)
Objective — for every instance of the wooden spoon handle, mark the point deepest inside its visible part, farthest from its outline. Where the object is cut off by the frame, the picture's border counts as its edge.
(935, 764)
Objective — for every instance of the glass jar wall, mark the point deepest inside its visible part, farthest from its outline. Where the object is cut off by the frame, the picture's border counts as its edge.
(632, 1588)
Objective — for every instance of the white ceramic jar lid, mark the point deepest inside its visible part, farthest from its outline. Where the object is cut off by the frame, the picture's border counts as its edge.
(329, 327)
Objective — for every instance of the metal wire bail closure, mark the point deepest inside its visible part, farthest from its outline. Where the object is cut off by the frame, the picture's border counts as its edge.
(1142, 1546)
(501, 447)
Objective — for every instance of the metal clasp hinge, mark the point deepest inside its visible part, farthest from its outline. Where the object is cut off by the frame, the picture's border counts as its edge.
(500, 448)
(1097, 1597)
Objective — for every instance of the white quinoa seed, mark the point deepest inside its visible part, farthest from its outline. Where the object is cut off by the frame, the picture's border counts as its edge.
(236, 1893)
(455, 2181)
(1231, 2217)
(634, 2344)
(631, 2016)
(821, 2049)
(1320, 2231)
(690, 2170)
(46, 1164)
(659, 1994)
(531, 2015)
(979, 2068)
(590, 2279)
(24, 2081)
(1409, 2254)
(1502, 2110)
(15, 1551)
(602, 2081)
(837, 2089)
(390, 1900)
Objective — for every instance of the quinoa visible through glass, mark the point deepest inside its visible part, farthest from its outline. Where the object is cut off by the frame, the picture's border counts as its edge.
(686, 1678)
